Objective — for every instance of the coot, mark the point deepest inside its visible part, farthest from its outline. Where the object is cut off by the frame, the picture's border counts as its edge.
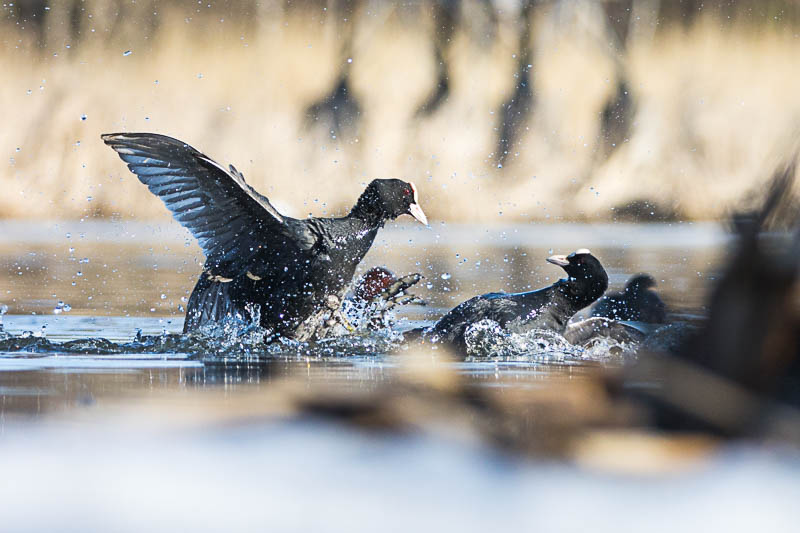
(287, 273)
(637, 302)
(547, 308)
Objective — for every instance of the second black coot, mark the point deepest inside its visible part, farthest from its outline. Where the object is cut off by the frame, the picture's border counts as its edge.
(548, 308)
(290, 273)
(638, 302)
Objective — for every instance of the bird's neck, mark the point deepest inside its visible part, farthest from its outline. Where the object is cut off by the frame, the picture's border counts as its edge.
(574, 295)
(367, 216)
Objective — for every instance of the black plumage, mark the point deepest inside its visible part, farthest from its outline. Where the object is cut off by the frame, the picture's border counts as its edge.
(548, 308)
(286, 272)
(636, 302)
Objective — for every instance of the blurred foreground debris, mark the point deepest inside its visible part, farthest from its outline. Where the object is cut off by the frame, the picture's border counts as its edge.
(739, 374)
(566, 419)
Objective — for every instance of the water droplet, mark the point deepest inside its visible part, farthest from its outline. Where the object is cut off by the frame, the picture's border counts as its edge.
(163, 296)
(349, 59)
(89, 198)
(446, 276)
(84, 117)
(126, 53)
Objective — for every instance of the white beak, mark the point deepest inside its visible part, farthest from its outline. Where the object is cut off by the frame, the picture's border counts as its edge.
(560, 260)
(416, 211)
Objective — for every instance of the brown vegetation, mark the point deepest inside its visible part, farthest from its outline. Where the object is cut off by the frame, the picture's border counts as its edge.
(715, 107)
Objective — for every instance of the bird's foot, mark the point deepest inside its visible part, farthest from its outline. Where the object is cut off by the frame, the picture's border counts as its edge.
(332, 302)
(397, 290)
(335, 318)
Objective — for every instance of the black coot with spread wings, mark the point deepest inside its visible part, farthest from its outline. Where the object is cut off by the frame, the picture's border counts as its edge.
(292, 272)
(547, 308)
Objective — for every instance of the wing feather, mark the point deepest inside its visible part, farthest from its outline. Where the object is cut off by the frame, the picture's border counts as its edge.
(224, 214)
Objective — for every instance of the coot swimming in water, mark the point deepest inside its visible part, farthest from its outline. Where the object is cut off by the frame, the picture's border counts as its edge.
(637, 302)
(259, 263)
(547, 308)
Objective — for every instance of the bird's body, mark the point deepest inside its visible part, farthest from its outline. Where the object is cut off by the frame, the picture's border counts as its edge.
(290, 285)
(549, 308)
(636, 303)
(286, 272)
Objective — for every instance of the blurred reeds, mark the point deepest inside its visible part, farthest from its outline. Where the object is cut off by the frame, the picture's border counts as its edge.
(715, 107)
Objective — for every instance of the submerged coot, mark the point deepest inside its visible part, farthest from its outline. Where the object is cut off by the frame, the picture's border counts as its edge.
(637, 302)
(291, 273)
(375, 295)
(380, 285)
(548, 308)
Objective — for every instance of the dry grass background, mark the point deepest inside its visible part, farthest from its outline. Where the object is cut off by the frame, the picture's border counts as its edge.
(717, 108)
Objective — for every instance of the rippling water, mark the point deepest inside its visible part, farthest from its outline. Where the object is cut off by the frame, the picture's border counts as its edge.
(96, 308)
(111, 420)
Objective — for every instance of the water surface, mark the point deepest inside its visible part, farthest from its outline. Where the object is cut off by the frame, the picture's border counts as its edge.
(67, 282)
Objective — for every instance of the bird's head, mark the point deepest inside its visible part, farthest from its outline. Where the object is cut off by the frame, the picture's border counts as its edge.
(373, 283)
(640, 283)
(587, 277)
(390, 198)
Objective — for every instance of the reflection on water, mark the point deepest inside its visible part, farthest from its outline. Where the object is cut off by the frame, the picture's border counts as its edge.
(33, 384)
(121, 281)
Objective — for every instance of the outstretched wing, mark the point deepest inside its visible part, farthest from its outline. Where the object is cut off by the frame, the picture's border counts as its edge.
(225, 214)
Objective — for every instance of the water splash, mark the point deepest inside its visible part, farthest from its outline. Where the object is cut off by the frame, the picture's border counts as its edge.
(61, 307)
(609, 350)
(3, 311)
(232, 340)
(486, 339)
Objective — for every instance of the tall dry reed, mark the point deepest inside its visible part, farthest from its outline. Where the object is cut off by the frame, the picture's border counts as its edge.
(716, 108)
